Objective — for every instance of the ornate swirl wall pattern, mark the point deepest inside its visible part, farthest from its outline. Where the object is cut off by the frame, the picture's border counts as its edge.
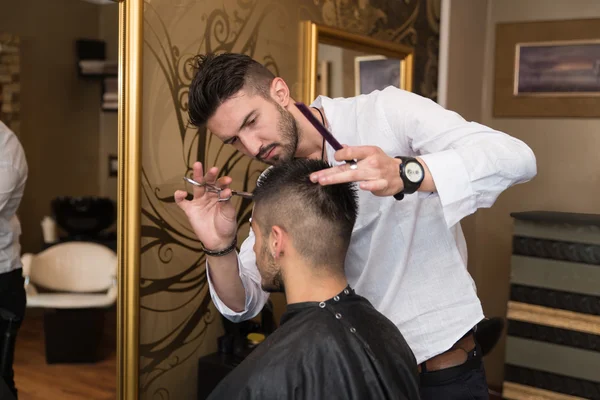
(174, 291)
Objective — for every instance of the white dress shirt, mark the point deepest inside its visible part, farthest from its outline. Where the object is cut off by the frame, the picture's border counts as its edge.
(409, 257)
(13, 175)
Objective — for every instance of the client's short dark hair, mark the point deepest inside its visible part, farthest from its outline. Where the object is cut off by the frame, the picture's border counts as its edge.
(318, 218)
(218, 77)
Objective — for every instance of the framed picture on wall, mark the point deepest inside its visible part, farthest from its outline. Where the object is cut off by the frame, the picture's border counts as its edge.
(567, 68)
(548, 69)
(376, 73)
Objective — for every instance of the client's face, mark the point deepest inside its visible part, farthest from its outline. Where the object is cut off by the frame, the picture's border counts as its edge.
(270, 271)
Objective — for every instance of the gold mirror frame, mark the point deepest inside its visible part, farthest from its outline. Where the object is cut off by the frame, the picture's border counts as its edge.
(129, 201)
(311, 34)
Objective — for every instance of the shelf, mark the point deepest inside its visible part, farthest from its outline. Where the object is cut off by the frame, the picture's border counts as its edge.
(98, 68)
(92, 63)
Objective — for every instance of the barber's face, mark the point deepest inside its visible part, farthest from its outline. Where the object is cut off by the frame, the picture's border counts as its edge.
(270, 271)
(258, 127)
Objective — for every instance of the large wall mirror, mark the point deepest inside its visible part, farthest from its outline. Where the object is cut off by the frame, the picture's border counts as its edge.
(337, 63)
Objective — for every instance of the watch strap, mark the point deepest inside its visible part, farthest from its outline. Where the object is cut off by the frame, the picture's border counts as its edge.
(409, 187)
(399, 195)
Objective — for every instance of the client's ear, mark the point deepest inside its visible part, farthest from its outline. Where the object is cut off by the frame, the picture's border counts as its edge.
(278, 240)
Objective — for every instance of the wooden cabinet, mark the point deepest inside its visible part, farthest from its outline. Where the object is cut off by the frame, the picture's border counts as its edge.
(553, 342)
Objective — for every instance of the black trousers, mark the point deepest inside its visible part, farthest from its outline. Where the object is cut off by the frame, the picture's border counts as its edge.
(463, 382)
(12, 311)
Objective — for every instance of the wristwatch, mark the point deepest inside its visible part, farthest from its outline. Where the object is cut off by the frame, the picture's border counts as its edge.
(412, 174)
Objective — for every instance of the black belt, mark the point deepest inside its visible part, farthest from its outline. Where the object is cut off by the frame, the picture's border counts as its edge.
(443, 376)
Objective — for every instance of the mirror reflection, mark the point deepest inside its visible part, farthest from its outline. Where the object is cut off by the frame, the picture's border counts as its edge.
(58, 192)
(344, 72)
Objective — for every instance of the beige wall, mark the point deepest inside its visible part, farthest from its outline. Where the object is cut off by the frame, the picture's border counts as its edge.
(566, 149)
(108, 131)
(333, 55)
(348, 57)
(461, 89)
(342, 76)
(59, 110)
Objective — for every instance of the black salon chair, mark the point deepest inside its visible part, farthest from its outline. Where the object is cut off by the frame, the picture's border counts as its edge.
(86, 219)
(488, 333)
(232, 350)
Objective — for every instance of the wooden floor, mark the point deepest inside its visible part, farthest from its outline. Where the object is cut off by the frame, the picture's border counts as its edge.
(37, 380)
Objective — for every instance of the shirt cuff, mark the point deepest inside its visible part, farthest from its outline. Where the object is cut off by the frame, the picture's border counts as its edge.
(453, 185)
(234, 316)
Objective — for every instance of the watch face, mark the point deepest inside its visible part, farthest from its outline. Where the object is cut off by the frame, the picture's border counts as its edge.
(413, 172)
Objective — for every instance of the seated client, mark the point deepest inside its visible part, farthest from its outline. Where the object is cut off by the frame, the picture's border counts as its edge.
(331, 342)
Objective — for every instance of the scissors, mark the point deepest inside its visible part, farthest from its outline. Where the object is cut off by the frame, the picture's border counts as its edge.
(215, 189)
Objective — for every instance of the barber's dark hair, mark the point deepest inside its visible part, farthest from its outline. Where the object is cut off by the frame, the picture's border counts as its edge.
(319, 218)
(218, 77)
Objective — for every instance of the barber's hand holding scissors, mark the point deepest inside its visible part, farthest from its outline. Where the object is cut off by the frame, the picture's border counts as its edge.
(374, 170)
(211, 214)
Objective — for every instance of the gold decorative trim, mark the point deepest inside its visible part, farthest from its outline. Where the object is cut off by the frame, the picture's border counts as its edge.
(515, 391)
(308, 61)
(129, 205)
(311, 34)
(553, 317)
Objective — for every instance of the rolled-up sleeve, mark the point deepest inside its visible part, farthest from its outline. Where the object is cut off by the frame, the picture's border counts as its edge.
(248, 272)
(471, 164)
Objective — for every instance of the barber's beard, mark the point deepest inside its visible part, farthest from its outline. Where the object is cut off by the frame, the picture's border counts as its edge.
(289, 137)
(271, 279)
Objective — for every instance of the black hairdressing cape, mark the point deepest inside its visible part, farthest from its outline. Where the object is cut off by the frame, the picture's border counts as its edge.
(338, 349)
